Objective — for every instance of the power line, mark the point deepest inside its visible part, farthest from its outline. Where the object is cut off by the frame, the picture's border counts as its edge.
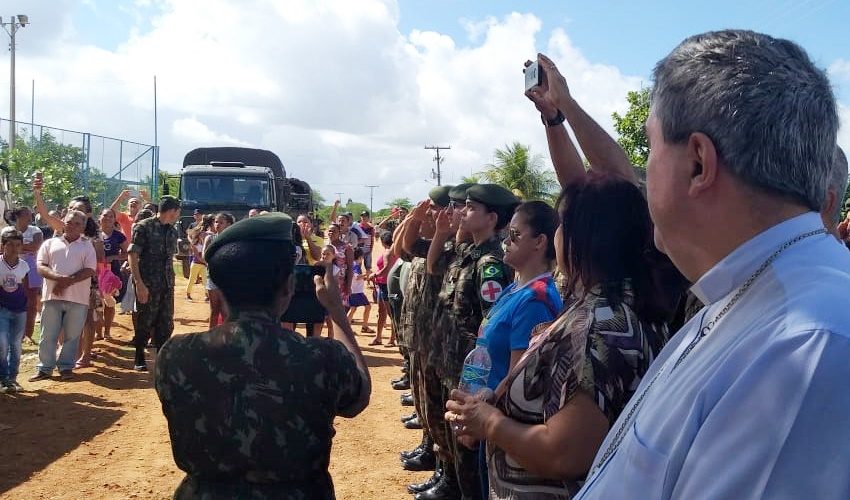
(438, 175)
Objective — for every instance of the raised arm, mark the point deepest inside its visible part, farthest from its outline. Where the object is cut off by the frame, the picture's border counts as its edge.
(601, 150)
(116, 205)
(414, 223)
(55, 223)
(441, 236)
(333, 212)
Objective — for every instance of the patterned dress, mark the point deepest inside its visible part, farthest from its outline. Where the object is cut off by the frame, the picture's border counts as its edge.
(594, 347)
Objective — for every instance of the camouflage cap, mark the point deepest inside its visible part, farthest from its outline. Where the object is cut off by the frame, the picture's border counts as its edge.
(457, 194)
(267, 227)
(440, 195)
(492, 195)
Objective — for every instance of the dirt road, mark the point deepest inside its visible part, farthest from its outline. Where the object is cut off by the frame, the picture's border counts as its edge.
(103, 436)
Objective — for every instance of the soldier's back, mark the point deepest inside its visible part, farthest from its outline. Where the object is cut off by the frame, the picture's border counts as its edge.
(252, 405)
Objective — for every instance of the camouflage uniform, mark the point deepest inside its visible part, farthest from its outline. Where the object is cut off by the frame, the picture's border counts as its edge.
(472, 284)
(156, 244)
(416, 322)
(250, 408)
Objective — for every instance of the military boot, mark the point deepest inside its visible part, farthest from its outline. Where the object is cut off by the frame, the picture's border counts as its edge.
(428, 483)
(402, 384)
(426, 460)
(426, 444)
(445, 489)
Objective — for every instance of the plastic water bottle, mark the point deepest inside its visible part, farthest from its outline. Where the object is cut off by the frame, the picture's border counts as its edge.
(476, 368)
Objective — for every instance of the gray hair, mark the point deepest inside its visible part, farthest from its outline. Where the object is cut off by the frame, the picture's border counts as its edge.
(73, 214)
(838, 182)
(769, 111)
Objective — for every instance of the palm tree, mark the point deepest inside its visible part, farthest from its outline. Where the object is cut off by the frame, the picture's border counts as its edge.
(523, 173)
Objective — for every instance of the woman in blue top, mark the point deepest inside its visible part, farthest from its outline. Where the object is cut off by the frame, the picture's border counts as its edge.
(532, 298)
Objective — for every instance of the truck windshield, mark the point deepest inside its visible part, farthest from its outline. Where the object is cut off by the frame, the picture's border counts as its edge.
(225, 190)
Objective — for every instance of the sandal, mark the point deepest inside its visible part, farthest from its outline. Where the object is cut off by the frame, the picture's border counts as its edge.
(390, 344)
(375, 342)
(366, 329)
(82, 364)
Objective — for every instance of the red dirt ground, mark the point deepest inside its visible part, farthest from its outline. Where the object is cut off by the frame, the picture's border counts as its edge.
(103, 435)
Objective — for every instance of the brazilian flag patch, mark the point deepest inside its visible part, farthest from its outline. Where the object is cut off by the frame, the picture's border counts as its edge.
(492, 271)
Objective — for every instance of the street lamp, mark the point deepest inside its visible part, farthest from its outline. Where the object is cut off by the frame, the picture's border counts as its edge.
(11, 27)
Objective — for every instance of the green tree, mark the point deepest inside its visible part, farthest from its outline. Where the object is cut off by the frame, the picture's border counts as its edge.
(59, 163)
(400, 202)
(318, 199)
(471, 179)
(630, 127)
(517, 169)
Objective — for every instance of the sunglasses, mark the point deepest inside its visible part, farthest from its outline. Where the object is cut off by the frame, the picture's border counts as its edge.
(513, 235)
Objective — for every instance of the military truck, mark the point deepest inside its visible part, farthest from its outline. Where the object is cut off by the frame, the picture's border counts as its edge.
(236, 180)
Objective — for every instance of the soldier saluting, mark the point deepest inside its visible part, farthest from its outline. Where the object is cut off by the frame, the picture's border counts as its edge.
(472, 283)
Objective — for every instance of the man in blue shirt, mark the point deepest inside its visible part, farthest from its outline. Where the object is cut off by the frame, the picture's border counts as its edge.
(748, 400)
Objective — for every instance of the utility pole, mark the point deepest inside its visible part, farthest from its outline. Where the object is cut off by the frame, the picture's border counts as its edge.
(371, 196)
(438, 175)
(339, 197)
(14, 25)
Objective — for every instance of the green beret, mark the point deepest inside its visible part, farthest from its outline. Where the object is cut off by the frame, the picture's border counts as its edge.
(267, 227)
(492, 195)
(458, 193)
(440, 195)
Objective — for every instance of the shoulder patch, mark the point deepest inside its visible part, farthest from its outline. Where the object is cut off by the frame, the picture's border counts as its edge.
(492, 271)
(491, 290)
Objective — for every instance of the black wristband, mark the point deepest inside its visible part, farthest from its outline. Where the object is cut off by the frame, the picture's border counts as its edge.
(554, 122)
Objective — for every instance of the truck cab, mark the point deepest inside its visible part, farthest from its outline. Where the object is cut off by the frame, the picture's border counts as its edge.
(235, 180)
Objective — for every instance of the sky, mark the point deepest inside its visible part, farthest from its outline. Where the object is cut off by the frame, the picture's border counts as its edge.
(348, 92)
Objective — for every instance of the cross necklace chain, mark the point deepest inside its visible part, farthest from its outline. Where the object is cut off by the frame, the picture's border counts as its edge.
(703, 331)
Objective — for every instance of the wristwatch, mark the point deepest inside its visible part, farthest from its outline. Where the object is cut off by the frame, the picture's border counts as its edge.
(554, 122)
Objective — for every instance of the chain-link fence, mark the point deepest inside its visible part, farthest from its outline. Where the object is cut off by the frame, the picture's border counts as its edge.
(100, 166)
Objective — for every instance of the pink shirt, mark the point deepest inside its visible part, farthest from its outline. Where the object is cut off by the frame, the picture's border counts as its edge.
(67, 258)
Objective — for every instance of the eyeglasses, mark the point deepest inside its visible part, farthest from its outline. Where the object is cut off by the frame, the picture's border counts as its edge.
(513, 235)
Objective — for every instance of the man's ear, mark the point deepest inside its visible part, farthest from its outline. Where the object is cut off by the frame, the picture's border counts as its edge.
(704, 162)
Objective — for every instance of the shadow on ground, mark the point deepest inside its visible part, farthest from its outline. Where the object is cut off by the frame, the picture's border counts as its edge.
(43, 426)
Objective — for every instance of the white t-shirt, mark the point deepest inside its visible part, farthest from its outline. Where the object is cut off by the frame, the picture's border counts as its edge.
(11, 277)
(29, 233)
(358, 284)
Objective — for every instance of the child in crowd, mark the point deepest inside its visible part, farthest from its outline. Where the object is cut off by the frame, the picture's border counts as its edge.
(328, 257)
(13, 307)
(358, 292)
(379, 277)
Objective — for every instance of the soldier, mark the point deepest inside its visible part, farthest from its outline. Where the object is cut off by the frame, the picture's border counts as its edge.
(250, 405)
(150, 256)
(414, 235)
(472, 283)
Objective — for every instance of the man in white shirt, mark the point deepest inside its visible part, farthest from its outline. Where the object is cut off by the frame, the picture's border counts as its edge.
(67, 264)
(749, 398)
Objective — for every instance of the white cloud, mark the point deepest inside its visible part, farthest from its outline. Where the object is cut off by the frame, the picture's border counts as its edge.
(331, 86)
(190, 129)
(840, 70)
(844, 131)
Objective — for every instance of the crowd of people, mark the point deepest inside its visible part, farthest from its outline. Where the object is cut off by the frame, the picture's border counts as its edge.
(685, 337)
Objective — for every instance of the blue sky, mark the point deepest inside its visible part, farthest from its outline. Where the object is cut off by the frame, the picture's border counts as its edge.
(634, 35)
(348, 92)
(629, 35)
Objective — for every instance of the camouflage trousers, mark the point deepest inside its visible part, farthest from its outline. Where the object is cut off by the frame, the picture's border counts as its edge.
(457, 459)
(155, 318)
